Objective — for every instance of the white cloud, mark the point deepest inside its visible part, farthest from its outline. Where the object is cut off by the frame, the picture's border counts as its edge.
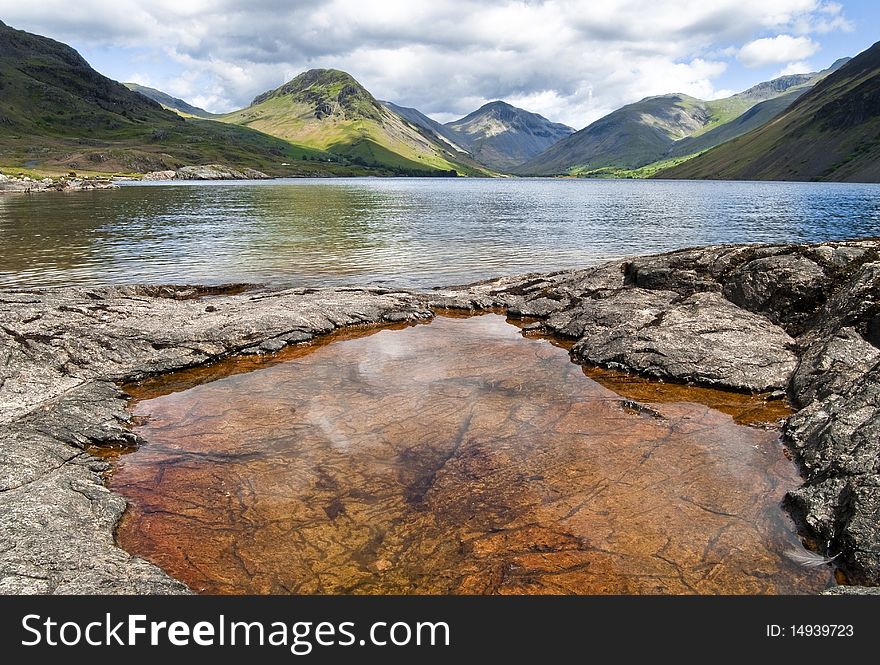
(570, 60)
(773, 50)
(801, 67)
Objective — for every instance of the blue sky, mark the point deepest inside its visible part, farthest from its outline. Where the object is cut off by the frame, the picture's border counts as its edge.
(570, 60)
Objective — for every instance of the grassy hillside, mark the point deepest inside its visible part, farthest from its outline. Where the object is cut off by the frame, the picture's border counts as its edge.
(439, 132)
(171, 103)
(831, 132)
(59, 114)
(330, 111)
(630, 137)
(639, 139)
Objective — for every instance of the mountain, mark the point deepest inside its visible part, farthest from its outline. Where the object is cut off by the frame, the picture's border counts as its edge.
(57, 113)
(169, 102)
(629, 137)
(832, 132)
(773, 97)
(440, 132)
(502, 136)
(329, 110)
(665, 127)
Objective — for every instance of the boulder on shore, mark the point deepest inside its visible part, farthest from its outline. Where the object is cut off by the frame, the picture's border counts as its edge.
(26, 185)
(207, 172)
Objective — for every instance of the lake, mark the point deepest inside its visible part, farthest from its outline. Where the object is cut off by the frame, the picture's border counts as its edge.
(403, 232)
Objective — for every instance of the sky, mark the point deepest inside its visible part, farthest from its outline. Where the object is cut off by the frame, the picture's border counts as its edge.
(572, 61)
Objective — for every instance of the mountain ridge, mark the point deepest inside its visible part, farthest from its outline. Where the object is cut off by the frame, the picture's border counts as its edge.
(503, 136)
(667, 126)
(329, 110)
(831, 132)
(169, 102)
(58, 113)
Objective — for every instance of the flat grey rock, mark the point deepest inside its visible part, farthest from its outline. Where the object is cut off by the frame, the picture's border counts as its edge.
(803, 318)
(701, 339)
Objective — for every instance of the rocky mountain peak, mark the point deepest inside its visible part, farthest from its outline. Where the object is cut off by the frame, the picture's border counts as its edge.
(330, 92)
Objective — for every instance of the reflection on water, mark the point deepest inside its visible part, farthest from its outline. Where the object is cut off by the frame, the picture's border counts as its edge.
(406, 232)
(451, 457)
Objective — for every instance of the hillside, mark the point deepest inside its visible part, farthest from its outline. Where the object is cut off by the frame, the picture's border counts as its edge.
(169, 102)
(629, 137)
(502, 136)
(832, 132)
(329, 110)
(754, 117)
(439, 132)
(666, 127)
(57, 113)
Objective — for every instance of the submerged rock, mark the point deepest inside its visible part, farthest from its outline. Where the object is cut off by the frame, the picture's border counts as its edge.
(59, 351)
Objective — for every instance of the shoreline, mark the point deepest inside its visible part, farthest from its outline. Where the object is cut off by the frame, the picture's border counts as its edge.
(804, 319)
(72, 183)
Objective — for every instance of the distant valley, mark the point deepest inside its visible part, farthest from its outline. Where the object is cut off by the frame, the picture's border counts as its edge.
(58, 114)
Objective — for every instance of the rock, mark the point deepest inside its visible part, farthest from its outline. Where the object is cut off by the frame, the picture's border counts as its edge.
(206, 172)
(27, 185)
(160, 175)
(404, 315)
(298, 337)
(818, 505)
(787, 288)
(57, 525)
(855, 304)
(702, 315)
(831, 365)
(679, 272)
(60, 352)
(837, 440)
(840, 436)
(623, 309)
(217, 172)
(852, 591)
(702, 338)
(538, 307)
(860, 536)
(273, 345)
(253, 174)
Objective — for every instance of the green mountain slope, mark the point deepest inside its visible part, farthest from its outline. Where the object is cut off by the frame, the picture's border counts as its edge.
(169, 102)
(57, 113)
(438, 132)
(503, 136)
(832, 132)
(329, 110)
(666, 127)
(629, 137)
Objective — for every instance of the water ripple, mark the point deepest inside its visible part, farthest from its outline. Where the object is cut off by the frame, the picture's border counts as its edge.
(403, 232)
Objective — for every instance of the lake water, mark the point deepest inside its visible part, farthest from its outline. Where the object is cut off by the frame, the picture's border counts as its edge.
(401, 232)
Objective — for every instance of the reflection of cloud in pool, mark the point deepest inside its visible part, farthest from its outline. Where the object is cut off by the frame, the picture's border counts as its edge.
(456, 457)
